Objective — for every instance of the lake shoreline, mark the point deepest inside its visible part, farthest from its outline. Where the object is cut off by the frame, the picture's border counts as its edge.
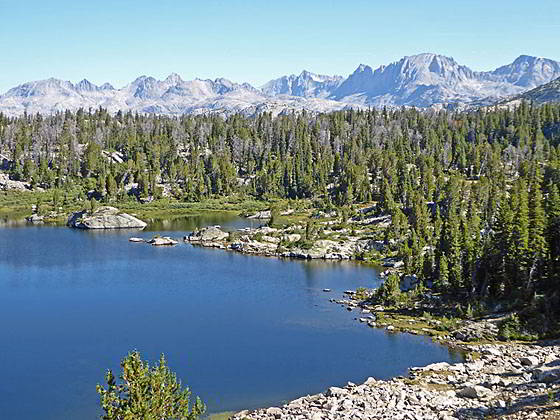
(286, 242)
(275, 307)
(513, 381)
(467, 390)
(455, 397)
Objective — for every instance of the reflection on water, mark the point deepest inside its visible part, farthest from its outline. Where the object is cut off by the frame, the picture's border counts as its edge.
(10, 222)
(227, 221)
(241, 331)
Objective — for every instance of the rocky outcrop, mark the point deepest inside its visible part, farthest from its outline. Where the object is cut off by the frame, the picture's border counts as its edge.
(324, 249)
(208, 234)
(155, 241)
(265, 214)
(7, 184)
(291, 237)
(104, 218)
(162, 241)
(477, 330)
(35, 218)
(409, 282)
(249, 246)
(272, 242)
(494, 384)
(392, 263)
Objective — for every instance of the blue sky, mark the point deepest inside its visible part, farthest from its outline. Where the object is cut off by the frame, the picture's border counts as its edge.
(255, 41)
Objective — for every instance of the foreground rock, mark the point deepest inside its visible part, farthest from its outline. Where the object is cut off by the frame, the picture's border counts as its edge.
(104, 218)
(495, 383)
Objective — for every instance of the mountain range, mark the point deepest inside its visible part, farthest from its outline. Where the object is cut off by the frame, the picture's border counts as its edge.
(423, 80)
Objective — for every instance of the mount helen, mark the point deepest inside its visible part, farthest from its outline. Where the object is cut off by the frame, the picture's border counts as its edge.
(423, 80)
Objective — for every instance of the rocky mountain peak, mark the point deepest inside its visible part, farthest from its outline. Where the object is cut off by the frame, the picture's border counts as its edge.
(173, 78)
(41, 88)
(528, 72)
(363, 68)
(223, 85)
(306, 84)
(86, 85)
(146, 87)
(525, 59)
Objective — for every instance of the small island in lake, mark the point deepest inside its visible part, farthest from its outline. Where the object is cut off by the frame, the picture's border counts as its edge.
(105, 217)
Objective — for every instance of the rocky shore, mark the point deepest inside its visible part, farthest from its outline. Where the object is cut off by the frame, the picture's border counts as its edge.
(507, 381)
(288, 243)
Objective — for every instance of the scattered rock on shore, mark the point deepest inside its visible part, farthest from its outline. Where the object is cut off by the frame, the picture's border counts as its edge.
(496, 386)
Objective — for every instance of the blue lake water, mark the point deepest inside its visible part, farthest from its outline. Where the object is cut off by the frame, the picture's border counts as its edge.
(241, 331)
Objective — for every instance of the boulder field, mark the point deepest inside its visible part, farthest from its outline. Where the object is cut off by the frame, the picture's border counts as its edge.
(505, 381)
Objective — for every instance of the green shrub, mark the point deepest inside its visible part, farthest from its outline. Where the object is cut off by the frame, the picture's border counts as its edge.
(304, 244)
(389, 292)
(511, 328)
(148, 393)
(427, 315)
(361, 293)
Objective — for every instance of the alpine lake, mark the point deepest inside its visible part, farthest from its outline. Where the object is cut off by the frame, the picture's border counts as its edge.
(241, 331)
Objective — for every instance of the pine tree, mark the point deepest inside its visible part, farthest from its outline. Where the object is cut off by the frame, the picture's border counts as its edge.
(111, 185)
(442, 281)
(553, 238)
(451, 247)
(502, 269)
(537, 246)
(146, 392)
(520, 235)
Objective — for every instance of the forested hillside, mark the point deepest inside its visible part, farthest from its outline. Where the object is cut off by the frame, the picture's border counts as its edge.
(474, 197)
